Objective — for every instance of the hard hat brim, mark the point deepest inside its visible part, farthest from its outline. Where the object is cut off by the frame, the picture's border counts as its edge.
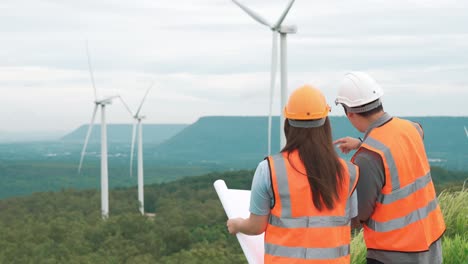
(307, 123)
(364, 108)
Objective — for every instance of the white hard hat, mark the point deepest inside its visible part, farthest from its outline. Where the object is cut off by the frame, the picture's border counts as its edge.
(358, 89)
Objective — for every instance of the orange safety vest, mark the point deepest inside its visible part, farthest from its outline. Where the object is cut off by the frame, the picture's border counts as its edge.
(406, 217)
(299, 233)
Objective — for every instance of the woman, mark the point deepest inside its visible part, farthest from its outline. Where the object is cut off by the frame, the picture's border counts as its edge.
(302, 197)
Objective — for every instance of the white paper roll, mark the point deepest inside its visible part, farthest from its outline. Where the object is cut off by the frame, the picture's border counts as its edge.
(236, 204)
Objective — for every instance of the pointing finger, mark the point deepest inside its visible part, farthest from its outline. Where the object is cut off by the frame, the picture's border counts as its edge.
(339, 141)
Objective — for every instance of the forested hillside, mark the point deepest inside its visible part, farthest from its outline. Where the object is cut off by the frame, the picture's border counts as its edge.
(66, 227)
(189, 226)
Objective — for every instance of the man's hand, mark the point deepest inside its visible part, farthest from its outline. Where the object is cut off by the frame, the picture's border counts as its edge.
(347, 144)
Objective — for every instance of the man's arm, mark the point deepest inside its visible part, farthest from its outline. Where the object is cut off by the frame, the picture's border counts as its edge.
(371, 181)
(353, 205)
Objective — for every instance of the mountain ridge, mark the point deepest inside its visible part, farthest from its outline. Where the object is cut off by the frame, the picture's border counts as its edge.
(243, 139)
(153, 133)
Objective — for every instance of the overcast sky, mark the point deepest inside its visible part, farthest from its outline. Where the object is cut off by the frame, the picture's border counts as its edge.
(207, 57)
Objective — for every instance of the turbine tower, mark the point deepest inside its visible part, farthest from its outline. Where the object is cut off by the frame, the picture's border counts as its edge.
(102, 103)
(138, 125)
(283, 31)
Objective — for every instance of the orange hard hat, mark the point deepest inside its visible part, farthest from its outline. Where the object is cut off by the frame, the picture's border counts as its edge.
(306, 103)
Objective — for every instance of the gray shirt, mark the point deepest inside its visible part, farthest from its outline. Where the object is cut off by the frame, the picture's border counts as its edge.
(261, 195)
(369, 187)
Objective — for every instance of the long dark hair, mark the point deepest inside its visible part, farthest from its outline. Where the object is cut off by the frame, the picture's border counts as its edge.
(322, 164)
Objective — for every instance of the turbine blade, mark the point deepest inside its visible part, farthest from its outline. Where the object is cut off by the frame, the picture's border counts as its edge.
(126, 106)
(132, 150)
(274, 67)
(284, 14)
(253, 14)
(91, 71)
(466, 131)
(88, 134)
(143, 100)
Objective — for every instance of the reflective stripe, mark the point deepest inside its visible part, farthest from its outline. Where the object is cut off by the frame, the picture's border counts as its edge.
(307, 253)
(283, 185)
(401, 222)
(312, 221)
(405, 191)
(389, 158)
(352, 176)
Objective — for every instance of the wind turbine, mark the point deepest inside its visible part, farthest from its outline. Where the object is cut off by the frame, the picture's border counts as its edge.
(137, 125)
(282, 30)
(104, 170)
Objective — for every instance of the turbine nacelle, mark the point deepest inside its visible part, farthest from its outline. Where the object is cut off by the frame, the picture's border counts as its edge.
(287, 29)
(106, 101)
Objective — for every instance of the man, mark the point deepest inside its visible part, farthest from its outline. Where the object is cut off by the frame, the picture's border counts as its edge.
(397, 203)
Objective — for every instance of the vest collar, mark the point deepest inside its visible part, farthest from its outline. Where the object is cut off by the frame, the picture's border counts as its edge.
(378, 123)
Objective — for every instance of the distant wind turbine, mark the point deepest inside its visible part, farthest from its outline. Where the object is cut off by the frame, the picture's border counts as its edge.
(283, 31)
(104, 170)
(137, 124)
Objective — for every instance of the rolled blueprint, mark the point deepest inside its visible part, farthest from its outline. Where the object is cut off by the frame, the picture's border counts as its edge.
(236, 204)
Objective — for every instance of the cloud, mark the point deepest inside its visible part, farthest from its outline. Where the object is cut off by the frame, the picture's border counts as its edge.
(207, 57)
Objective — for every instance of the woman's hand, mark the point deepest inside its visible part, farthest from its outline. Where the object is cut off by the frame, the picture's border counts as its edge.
(254, 225)
(233, 225)
(347, 144)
